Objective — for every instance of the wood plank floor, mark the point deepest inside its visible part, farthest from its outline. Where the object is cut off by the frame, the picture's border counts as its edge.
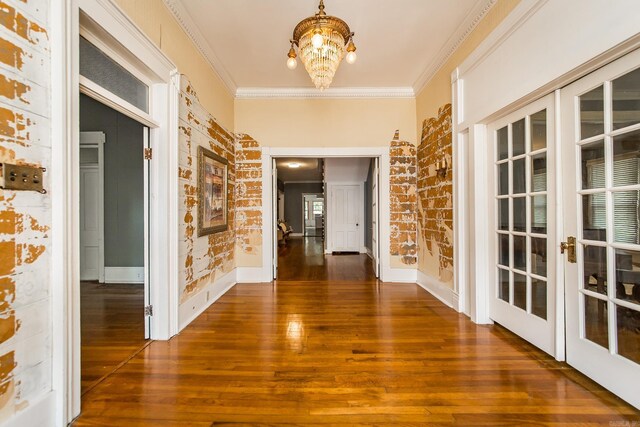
(345, 353)
(112, 325)
(303, 259)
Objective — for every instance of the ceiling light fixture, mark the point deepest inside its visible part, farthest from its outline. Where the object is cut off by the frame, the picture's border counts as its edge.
(322, 42)
(294, 165)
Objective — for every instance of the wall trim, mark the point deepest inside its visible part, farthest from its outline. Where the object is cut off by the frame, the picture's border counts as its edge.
(39, 413)
(400, 275)
(191, 29)
(199, 302)
(250, 275)
(340, 92)
(446, 295)
(470, 23)
(132, 275)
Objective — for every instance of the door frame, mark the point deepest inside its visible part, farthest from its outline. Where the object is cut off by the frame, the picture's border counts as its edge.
(128, 45)
(97, 140)
(304, 224)
(387, 274)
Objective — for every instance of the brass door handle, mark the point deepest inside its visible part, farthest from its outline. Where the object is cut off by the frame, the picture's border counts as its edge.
(570, 247)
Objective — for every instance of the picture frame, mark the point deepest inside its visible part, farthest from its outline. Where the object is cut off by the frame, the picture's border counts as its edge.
(213, 176)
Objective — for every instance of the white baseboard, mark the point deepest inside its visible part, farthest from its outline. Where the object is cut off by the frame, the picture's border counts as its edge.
(364, 250)
(196, 305)
(400, 275)
(369, 253)
(124, 275)
(252, 275)
(445, 294)
(39, 413)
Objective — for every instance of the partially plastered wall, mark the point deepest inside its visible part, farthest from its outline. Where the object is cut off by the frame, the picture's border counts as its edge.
(403, 195)
(25, 216)
(248, 202)
(435, 206)
(203, 260)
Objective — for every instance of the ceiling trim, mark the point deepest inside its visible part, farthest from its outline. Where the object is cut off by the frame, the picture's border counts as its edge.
(471, 21)
(346, 92)
(191, 29)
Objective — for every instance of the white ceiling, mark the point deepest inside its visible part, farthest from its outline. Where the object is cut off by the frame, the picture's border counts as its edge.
(310, 170)
(401, 43)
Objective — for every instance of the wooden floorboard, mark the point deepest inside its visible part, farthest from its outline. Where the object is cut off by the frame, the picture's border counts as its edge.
(345, 353)
(112, 325)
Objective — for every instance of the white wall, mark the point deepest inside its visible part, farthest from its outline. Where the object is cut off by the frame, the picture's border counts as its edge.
(350, 169)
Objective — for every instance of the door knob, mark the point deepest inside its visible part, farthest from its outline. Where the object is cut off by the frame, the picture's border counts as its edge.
(570, 247)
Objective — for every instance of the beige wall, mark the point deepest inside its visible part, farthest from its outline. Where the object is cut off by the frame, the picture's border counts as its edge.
(437, 92)
(156, 21)
(326, 122)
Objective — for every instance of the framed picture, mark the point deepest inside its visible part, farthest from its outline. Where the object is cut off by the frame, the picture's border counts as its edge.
(212, 192)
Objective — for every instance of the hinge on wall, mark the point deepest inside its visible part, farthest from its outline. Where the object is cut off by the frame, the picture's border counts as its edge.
(148, 310)
(148, 153)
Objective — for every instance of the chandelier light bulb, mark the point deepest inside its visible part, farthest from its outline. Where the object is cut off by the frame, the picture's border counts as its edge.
(317, 40)
(351, 57)
(292, 63)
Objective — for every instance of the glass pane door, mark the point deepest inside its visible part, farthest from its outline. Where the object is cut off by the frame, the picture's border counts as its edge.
(524, 293)
(601, 149)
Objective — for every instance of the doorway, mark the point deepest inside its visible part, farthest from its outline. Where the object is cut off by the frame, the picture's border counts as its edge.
(113, 244)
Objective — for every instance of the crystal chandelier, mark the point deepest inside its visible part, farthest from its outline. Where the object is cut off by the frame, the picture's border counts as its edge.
(322, 41)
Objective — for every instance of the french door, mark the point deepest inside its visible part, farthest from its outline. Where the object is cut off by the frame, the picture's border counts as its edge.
(523, 297)
(601, 172)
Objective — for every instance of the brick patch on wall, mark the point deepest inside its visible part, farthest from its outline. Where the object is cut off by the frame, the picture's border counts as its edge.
(248, 202)
(403, 189)
(202, 259)
(435, 207)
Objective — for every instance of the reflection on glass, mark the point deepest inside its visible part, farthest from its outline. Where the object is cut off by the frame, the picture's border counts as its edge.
(595, 321)
(594, 217)
(519, 176)
(520, 214)
(520, 291)
(593, 165)
(628, 276)
(503, 284)
(595, 268)
(520, 252)
(626, 159)
(503, 143)
(625, 216)
(503, 179)
(628, 333)
(503, 249)
(539, 130)
(539, 173)
(539, 256)
(503, 214)
(626, 100)
(592, 113)
(518, 130)
(539, 214)
(539, 298)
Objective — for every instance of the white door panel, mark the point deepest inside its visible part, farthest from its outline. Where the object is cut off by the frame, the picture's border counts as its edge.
(89, 223)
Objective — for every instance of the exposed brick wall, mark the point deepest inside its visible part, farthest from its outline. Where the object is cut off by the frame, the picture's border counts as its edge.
(403, 194)
(203, 259)
(436, 198)
(248, 202)
(25, 216)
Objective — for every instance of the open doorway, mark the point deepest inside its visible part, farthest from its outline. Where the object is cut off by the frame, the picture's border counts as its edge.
(329, 230)
(113, 255)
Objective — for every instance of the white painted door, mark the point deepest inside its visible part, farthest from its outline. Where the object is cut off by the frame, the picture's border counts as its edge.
(601, 158)
(89, 222)
(345, 219)
(374, 219)
(274, 211)
(523, 296)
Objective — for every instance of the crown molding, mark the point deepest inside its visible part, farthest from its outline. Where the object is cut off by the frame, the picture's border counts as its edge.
(346, 92)
(471, 21)
(191, 29)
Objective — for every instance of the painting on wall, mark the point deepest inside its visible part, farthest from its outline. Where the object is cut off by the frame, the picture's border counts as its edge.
(212, 192)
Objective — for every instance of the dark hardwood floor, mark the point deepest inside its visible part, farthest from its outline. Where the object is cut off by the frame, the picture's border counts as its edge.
(112, 328)
(303, 259)
(345, 353)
